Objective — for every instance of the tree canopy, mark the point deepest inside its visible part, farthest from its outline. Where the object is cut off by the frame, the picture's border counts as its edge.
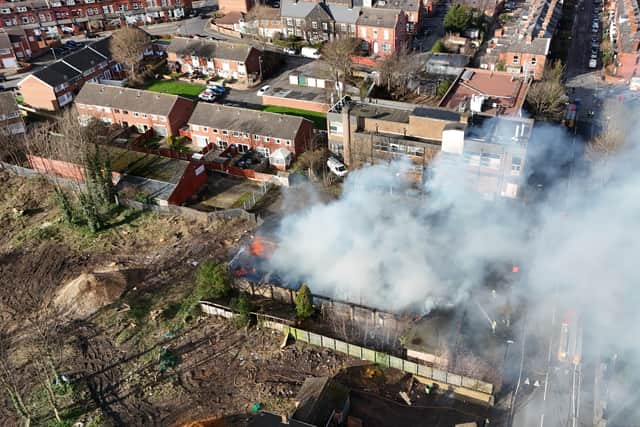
(458, 18)
(127, 47)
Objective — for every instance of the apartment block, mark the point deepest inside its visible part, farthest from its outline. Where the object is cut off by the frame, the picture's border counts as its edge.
(55, 86)
(487, 152)
(220, 126)
(163, 113)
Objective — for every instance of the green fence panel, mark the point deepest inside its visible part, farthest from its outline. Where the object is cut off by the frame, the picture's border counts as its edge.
(328, 342)
(369, 355)
(315, 339)
(355, 351)
(439, 375)
(396, 362)
(484, 387)
(470, 383)
(454, 379)
(425, 371)
(410, 367)
(382, 359)
(342, 347)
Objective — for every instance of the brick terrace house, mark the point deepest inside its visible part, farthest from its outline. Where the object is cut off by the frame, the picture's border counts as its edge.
(55, 86)
(163, 113)
(43, 20)
(263, 132)
(414, 9)
(266, 24)
(522, 45)
(9, 53)
(490, 92)
(226, 59)
(627, 40)
(382, 31)
(307, 20)
(10, 118)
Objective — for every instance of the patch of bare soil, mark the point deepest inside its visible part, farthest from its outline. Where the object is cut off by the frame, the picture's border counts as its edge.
(88, 292)
(115, 356)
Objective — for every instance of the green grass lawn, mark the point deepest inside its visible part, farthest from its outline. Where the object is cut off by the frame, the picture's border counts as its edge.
(188, 90)
(319, 119)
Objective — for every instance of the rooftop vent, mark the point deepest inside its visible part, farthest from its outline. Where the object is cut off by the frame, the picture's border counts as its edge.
(467, 75)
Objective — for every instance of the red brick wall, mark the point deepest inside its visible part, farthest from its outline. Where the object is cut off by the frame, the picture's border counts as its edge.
(397, 37)
(56, 168)
(303, 138)
(189, 184)
(179, 115)
(251, 141)
(525, 58)
(629, 65)
(37, 94)
(227, 6)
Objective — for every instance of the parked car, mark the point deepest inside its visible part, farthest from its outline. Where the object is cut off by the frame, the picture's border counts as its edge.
(248, 159)
(3, 78)
(593, 63)
(276, 4)
(204, 15)
(310, 52)
(289, 51)
(216, 88)
(207, 95)
(337, 167)
(264, 89)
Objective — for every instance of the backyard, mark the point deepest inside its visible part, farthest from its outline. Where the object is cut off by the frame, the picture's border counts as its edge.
(319, 119)
(174, 87)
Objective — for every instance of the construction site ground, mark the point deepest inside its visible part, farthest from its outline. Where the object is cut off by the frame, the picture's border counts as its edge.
(113, 357)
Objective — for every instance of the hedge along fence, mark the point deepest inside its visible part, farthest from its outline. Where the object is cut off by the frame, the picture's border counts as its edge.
(285, 326)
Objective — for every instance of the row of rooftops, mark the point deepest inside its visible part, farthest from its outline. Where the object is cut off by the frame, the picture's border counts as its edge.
(75, 64)
(628, 17)
(205, 48)
(207, 115)
(384, 14)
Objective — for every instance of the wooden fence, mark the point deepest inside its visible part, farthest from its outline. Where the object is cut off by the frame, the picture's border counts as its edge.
(481, 390)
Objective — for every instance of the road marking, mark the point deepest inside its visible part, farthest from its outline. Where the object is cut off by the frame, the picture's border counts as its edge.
(546, 386)
(541, 420)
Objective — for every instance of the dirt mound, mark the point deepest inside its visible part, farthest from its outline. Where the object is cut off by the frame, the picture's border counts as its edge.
(207, 422)
(88, 292)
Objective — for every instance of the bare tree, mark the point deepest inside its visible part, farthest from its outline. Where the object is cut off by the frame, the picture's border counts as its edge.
(127, 47)
(396, 71)
(9, 380)
(613, 134)
(337, 54)
(546, 98)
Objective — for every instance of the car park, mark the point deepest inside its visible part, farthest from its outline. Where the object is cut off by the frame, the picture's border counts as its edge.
(264, 89)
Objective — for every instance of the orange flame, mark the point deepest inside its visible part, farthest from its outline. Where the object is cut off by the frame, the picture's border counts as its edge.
(261, 248)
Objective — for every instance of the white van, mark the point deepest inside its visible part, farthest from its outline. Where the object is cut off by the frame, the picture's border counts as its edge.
(337, 167)
(310, 52)
(593, 63)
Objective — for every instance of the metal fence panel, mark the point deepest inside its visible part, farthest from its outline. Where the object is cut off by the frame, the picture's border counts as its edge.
(410, 367)
(396, 362)
(368, 354)
(315, 339)
(484, 387)
(354, 350)
(328, 342)
(382, 359)
(439, 375)
(425, 371)
(454, 379)
(341, 346)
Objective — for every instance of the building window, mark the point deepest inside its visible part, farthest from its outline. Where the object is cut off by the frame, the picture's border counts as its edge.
(125, 112)
(245, 135)
(263, 151)
(163, 118)
(215, 130)
(195, 128)
(472, 158)
(267, 139)
(222, 144)
(288, 142)
(343, 28)
(386, 47)
(516, 166)
(335, 128)
(25, 20)
(289, 21)
(325, 26)
(256, 137)
(205, 129)
(298, 22)
(136, 115)
(236, 134)
(144, 115)
(534, 61)
(386, 34)
(225, 132)
(314, 25)
(115, 110)
(516, 59)
(277, 140)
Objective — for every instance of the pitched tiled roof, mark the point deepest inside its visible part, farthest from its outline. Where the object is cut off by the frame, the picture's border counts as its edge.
(126, 99)
(406, 5)
(344, 14)
(245, 120)
(373, 17)
(5, 42)
(84, 60)
(210, 49)
(57, 73)
(296, 8)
